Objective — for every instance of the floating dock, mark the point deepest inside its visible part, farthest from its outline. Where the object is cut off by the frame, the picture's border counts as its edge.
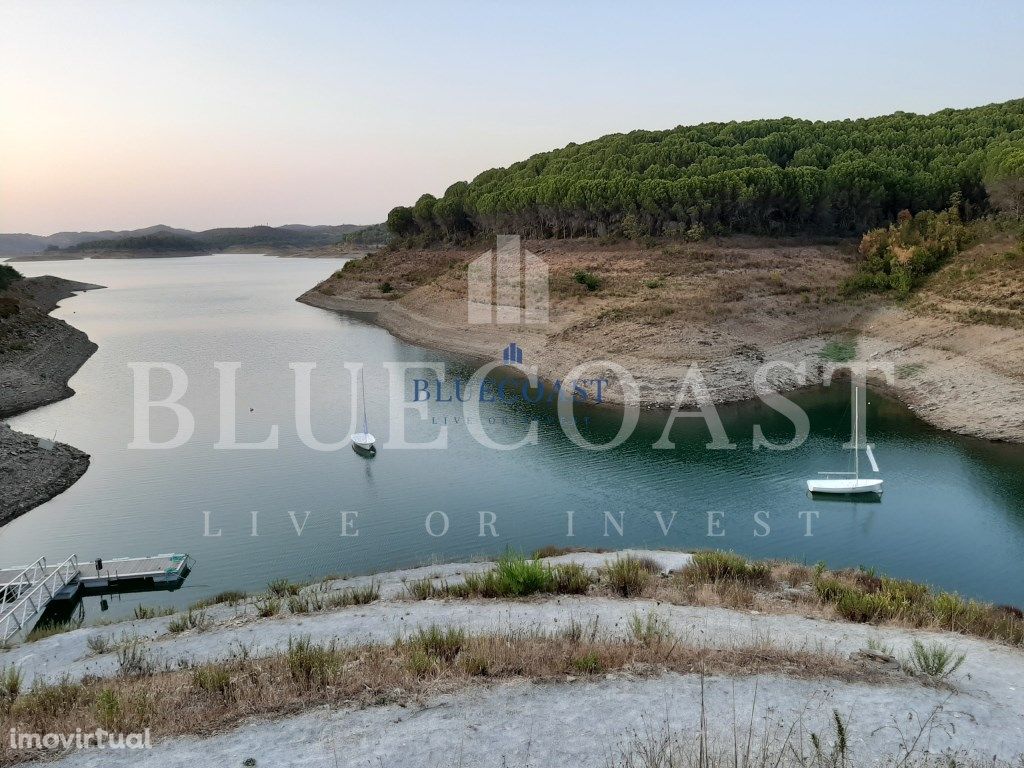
(26, 592)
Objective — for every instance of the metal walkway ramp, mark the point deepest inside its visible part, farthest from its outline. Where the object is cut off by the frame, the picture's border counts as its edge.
(26, 593)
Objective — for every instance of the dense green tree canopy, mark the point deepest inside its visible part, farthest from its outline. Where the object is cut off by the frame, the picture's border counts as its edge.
(762, 176)
(8, 275)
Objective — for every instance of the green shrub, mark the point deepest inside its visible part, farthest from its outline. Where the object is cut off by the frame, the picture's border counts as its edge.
(425, 589)
(270, 606)
(305, 603)
(43, 631)
(572, 579)
(936, 660)
(99, 644)
(829, 588)
(512, 576)
(108, 709)
(212, 678)
(353, 596)
(476, 666)
(283, 588)
(310, 664)
(444, 644)
(650, 630)
(588, 279)
(421, 664)
(900, 256)
(193, 619)
(840, 350)
(11, 681)
(587, 664)
(864, 607)
(8, 275)
(712, 566)
(628, 576)
(132, 659)
(231, 597)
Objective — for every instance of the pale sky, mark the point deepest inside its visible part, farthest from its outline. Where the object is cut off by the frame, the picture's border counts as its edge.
(202, 114)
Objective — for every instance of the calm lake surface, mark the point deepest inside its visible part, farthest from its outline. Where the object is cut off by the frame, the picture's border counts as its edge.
(952, 514)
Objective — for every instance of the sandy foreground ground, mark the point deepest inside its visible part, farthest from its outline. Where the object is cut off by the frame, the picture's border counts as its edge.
(729, 308)
(38, 355)
(583, 721)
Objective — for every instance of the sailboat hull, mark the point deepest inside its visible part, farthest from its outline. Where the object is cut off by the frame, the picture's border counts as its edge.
(371, 451)
(363, 440)
(845, 485)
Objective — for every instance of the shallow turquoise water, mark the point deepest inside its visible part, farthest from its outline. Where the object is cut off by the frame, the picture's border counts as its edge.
(952, 514)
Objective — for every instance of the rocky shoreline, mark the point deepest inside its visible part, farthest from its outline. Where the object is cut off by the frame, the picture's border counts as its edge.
(939, 375)
(38, 356)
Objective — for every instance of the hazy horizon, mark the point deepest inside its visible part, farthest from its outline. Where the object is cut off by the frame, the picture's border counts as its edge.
(122, 116)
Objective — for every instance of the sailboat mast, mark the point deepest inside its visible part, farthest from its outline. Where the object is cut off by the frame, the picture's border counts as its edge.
(362, 386)
(856, 433)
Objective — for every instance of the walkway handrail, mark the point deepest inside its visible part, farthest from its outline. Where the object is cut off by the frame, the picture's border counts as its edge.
(28, 576)
(36, 597)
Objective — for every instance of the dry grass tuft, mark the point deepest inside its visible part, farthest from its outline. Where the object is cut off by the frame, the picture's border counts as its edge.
(861, 596)
(217, 695)
(512, 576)
(230, 597)
(711, 566)
(629, 576)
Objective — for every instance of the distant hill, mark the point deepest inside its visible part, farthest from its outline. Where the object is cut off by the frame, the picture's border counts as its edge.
(153, 243)
(163, 238)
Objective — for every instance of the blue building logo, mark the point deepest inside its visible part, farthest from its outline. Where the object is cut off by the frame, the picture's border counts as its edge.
(512, 354)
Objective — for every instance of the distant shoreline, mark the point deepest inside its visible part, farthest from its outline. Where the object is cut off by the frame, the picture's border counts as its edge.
(941, 371)
(317, 252)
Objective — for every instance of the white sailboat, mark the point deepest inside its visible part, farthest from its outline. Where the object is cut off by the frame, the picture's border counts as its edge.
(830, 482)
(364, 441)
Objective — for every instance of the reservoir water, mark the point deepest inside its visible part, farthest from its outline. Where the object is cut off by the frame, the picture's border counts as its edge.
(952, 514)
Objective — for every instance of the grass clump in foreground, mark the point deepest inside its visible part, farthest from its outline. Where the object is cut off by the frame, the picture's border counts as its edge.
(217, 695)
(43, 631)
(513, 575)
(230, 597)
(193, 619)
(772, 741)
(628, 576)
(712, 566)
(283, 588)
(353, 596)
(147, 612)
(861, 596)
(935, 660)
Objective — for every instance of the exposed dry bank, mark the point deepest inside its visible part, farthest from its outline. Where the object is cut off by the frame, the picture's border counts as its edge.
(38, 356)
(727, 305)
(409, 680)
